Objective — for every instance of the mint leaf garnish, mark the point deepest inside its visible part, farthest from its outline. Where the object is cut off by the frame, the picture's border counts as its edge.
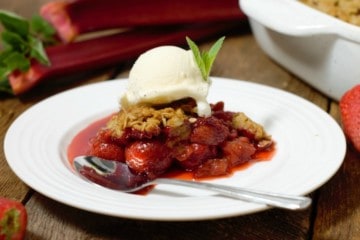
(22, 41)
(205, 60)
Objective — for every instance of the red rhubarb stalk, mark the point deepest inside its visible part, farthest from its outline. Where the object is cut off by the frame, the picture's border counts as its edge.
(106, 51)
(72, 18)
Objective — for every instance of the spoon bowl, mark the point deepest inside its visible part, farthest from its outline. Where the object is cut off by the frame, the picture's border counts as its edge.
(117, 175)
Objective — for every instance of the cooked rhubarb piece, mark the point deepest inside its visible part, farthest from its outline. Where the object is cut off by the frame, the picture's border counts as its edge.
(191, 155)
(106, 51)
(213, 167)
(72, 18)
(209, 131)
(238, 151)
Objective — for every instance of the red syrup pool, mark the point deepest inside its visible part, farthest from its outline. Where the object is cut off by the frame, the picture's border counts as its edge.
(80, 145)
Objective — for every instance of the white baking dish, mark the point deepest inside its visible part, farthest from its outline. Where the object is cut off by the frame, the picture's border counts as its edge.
(318, 48)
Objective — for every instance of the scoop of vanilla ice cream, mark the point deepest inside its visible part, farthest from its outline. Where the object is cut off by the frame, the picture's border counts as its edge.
(165, 74)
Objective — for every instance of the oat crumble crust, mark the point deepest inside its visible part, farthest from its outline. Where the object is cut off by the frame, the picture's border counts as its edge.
(150, 120)
(346, 10)
(146, 119)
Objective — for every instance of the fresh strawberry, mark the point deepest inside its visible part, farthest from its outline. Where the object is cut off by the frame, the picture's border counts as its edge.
(13, 220)
(350, 115)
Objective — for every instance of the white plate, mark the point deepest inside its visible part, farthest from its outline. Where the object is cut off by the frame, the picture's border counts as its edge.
(310, 149)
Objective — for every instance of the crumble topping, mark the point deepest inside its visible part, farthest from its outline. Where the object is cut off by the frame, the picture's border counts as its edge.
(346, 10)
(242, 122)
(146, 119)
(151, 139)
(151, 120)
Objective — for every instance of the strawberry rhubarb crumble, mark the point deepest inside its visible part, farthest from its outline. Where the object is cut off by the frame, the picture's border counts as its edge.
(165, 121)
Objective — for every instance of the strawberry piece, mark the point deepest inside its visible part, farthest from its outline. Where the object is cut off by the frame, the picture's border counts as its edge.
(350, 115)
(108, 151)
(103, 146)
(150, 157)
(13, 220)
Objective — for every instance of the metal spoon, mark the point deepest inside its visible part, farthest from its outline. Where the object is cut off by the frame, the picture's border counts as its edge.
(117, 175)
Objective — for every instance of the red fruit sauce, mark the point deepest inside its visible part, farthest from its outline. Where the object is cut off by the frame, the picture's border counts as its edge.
(80, 146)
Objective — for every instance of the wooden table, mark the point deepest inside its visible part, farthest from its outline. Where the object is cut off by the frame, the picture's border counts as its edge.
(334, 214)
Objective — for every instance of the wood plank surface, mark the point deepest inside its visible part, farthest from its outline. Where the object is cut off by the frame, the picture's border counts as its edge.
(333, 215)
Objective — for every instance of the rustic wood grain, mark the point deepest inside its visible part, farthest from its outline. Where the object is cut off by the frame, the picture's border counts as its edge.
(26, 10)
(338, 211)
(45, 215)
(242, 58)
(10, 108)
(333, 215)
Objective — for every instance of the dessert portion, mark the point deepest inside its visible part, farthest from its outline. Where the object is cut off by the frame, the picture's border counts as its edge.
(165, 121)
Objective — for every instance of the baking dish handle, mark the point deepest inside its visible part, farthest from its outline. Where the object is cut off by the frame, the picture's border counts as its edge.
(292, 17)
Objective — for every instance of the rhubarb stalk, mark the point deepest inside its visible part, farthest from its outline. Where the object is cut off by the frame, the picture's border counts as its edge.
(72, 18)
(108, 50)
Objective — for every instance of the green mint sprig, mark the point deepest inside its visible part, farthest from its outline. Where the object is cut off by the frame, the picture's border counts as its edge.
(22, 40)
(205, 60)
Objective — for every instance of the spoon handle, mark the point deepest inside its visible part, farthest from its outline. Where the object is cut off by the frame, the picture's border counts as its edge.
(272, 199)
